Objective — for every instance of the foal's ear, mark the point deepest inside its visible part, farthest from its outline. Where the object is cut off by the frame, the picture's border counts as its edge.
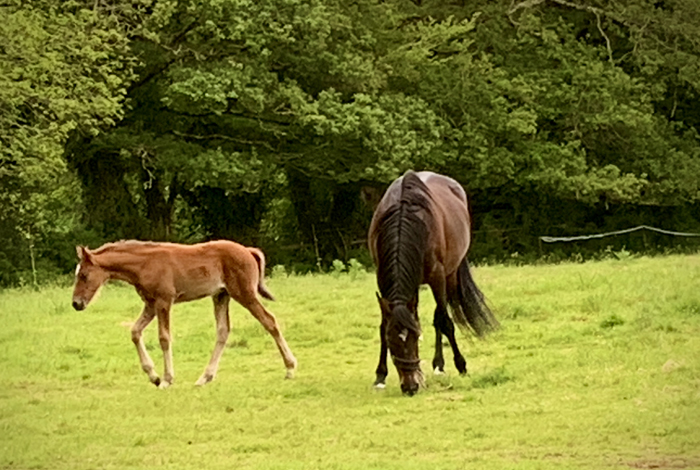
(83, 254)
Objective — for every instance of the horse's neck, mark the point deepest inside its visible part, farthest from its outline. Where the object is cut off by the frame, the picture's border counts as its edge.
(122, 265)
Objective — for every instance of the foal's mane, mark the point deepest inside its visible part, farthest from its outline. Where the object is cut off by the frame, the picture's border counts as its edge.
(402, 237)
(115, 246)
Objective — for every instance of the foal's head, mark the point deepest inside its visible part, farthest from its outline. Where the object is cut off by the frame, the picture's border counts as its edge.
(89, 277)
(402, 334)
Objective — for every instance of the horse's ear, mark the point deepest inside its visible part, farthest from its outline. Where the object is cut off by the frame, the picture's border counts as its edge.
(83, 254)
(384, 305)
(413, 304)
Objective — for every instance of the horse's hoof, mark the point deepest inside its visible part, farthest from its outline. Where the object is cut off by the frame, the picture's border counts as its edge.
(461, 365)
(290, 374)
(163, 385)
(379, 386)
(156, 381)
(438, 371)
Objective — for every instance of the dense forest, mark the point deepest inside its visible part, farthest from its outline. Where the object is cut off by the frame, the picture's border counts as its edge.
(277, 123)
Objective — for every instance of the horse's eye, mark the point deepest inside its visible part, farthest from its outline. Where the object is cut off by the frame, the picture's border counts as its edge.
(82, 277)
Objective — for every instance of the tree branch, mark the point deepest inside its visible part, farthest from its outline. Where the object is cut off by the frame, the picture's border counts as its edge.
(607, 39)
(595, 10)
(224, 137)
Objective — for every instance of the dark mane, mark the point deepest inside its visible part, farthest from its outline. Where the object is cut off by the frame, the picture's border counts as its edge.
(402, 237)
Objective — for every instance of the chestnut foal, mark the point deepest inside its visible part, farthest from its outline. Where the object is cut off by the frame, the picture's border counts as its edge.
(167, 273)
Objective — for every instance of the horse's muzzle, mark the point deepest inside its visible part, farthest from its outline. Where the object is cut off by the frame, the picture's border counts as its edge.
(410, 389)
(78, 305)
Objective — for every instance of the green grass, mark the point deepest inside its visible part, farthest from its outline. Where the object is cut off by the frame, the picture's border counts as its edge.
(597, 366)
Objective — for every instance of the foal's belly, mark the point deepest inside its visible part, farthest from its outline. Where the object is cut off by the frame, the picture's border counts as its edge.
(198, 284)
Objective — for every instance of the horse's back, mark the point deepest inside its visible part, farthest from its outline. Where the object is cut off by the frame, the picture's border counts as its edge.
(448, 221)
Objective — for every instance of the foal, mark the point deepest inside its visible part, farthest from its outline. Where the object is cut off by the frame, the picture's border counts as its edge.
(167, 273)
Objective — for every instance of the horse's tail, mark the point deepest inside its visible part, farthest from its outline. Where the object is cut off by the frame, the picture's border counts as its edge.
(469, 309)
(260, 259)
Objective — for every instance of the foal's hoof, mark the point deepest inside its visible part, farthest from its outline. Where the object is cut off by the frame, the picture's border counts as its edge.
(204, 379)
(164, 384)
(156, 381)
(290, 374)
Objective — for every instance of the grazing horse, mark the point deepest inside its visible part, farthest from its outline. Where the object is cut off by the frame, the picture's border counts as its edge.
(420, 233)
(168, 273)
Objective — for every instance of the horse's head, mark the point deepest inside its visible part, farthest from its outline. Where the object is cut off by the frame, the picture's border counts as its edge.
(89, 277)
(402, 334)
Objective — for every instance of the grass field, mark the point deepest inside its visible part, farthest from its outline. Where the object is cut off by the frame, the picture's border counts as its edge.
(597, 366)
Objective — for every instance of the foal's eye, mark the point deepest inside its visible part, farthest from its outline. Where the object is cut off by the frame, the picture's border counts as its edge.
(82, 277)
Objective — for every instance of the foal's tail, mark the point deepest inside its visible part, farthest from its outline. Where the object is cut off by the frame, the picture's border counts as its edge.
(469, 307)
(260, 258)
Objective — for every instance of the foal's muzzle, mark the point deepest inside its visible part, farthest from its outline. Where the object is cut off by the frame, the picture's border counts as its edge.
(78, 305)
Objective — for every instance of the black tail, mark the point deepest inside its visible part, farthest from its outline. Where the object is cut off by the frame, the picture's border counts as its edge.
(469, 309)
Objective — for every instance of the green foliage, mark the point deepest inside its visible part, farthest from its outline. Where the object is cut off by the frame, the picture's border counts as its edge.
(265, 121)
(62, 70)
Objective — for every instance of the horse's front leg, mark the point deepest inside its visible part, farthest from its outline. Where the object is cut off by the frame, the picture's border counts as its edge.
(137, 337)
(382, 370)
(163, 312)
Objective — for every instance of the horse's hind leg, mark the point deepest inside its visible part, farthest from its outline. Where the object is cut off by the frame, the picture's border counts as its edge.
(223, 327)
(444, 326)
(137, 337)
(269, 322)
(438, 358)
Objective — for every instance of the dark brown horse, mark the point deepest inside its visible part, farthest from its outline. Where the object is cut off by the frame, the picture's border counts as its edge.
(420, 234)
(168, 273)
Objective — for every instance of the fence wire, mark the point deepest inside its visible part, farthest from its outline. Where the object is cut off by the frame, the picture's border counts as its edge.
(548, 239)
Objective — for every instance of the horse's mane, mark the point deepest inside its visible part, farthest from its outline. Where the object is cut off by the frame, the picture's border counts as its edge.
(402, 237)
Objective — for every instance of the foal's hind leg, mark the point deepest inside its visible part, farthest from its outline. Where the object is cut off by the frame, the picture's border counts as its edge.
(268, 321)
(137, 337)
(223, 327)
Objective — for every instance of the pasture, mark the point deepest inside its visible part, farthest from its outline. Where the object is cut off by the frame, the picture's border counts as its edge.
(596, 366)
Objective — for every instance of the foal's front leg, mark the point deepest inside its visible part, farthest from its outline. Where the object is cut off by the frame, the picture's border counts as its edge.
(163, 312)
(137, 337)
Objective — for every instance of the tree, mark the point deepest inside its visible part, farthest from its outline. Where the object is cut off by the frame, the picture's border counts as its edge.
(62, 69)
